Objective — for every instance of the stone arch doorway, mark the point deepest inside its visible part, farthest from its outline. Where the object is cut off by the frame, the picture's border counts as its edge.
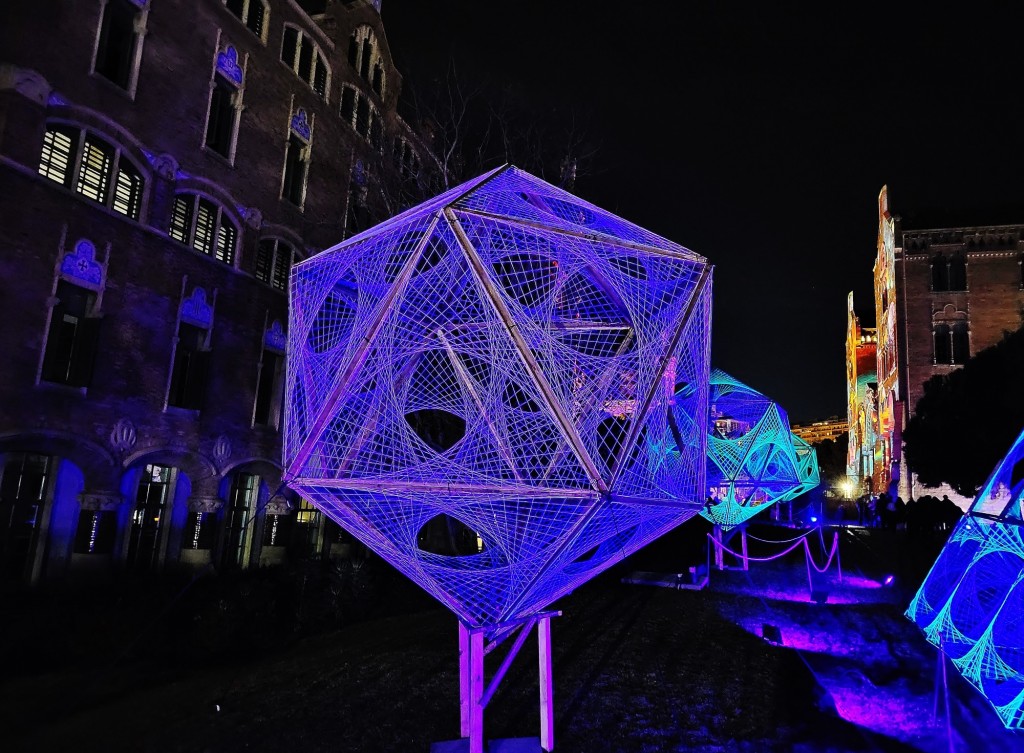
(151, 525)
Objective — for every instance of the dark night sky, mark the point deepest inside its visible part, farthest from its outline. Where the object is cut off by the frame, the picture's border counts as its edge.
(760, 139)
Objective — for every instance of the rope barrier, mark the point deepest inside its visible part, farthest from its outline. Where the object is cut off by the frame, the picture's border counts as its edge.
(783, 541)
(797, 542)
(726, 549)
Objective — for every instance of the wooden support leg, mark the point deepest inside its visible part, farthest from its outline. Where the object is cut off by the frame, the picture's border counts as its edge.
(464, 671)
(719, 555)
(743, 541)
(476, 691)
(547, 701)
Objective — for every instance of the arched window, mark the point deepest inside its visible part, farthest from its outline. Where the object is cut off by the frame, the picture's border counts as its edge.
(406, 159)
(203, 224)
(359, 112)
(297, 155)
(940, 273)
(957, 272)
(92, 167)
(365, 59)
(274, 259)
(961, 343)
(950, 332)
(148, 517)
(943, 349)
(240, 507)
(119, 43)
(253, 13)
(226, 88)
(300, 53)
(190, 361)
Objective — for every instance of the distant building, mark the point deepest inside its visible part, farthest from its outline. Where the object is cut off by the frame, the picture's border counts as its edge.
(861, 413)
(941, 296)
(162, 165)
(831, 428)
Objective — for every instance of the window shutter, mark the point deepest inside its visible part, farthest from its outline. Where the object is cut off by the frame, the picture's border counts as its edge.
(306, 54)
(83, 356)
(94, 174)
(264, 260)
(257, 14)
(58, 348)
(348, 104)
(282, 266)
(206, 218)
(195, 387)
(128, 190)
(320, 77)
(181, 218)
(291, 40)
(226, 238)
(55, 159)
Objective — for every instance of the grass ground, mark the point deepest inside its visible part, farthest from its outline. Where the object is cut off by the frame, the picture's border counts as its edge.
(637, 669)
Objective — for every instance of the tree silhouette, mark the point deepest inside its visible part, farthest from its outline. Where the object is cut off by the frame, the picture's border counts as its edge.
(967, 419)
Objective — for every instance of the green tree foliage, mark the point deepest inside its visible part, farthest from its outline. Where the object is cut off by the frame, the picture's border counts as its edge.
(967, 419)
(832, 459)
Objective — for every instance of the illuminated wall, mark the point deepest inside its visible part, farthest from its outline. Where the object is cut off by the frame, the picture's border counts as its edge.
(753, 458)
(971, 605)
(889, 406)
(502, 391)
(860, 400)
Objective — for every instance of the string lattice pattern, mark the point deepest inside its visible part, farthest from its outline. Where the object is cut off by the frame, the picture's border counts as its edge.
(971, 605)
(482, 390)
(754, 460)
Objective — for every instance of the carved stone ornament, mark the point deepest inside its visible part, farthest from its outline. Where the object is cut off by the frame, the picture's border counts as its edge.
(253, 217)
(275, 337)
(195, 310)
(301, 126)
(123, 436)
(278, 506)
(164, 165)
(26, 82)
(222, 449)
(100, 501)
(205, 504)
(80, 265)
(227, 63)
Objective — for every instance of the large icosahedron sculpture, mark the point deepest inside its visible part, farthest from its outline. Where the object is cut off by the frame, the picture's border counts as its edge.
(502, 360)
(754, 460)
(971, 604)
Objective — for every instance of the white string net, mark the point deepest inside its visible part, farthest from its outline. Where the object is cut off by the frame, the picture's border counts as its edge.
(482, 390)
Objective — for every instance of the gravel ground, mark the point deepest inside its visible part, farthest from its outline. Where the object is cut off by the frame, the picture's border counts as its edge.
(636, 669)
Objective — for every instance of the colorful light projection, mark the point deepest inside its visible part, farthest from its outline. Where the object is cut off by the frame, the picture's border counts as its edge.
(754, 460)
(481, 390)
(971, 604)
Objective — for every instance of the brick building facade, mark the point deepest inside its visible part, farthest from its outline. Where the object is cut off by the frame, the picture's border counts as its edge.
(162, 165)
(941, 296)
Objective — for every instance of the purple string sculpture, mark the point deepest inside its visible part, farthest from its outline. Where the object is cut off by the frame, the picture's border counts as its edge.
(481, 390)
(971, 604)
(754, 460)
